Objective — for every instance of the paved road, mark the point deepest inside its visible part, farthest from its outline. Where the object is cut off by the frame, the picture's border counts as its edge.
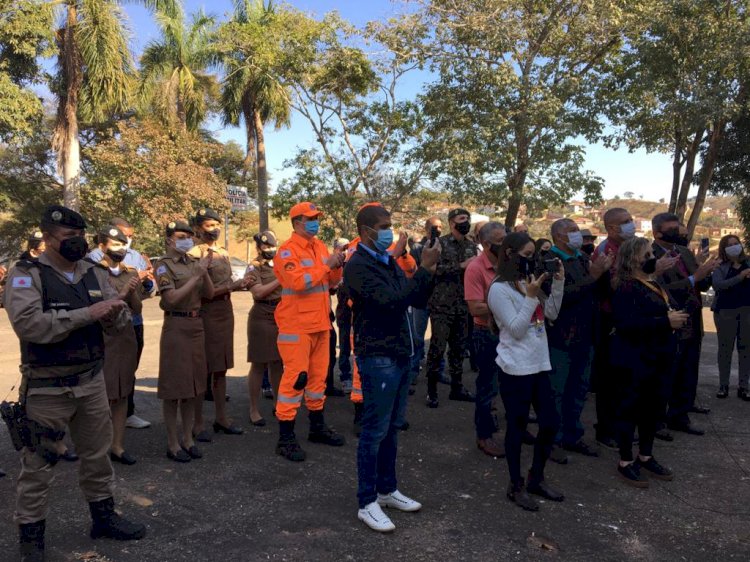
(243, 503)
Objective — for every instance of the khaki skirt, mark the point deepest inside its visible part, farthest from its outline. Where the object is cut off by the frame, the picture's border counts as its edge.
(262, 333)
(218, 324)
(120, 363)
(182, 359)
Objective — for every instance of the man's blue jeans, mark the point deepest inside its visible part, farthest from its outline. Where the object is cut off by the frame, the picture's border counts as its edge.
(485, 344)
(570, 378)
(385, 386)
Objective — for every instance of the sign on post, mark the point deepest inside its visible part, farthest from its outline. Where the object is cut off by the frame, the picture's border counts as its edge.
(237, 197)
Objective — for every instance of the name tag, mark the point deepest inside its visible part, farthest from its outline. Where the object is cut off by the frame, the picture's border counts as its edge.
(94, 294)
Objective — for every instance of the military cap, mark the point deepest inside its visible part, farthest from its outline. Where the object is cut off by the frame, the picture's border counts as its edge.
(57, 215)
(458, 212)
(35, 237)
(206, 215)
(112, 233)
(265, 237)
(178, 226)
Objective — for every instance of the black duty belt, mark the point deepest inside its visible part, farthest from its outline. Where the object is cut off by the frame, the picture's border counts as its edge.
(224, 297)
(272, 302)
(62, 382)
(178, 314)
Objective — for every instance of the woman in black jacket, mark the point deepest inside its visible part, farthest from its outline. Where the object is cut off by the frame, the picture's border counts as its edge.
(643, 349)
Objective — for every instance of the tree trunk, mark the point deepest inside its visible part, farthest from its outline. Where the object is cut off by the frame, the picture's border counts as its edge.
(687, 180)
(261, 171)
(515, 187)
(248, 164)
(706, 173)
(677, 163)
(65, 139)
(181, 113)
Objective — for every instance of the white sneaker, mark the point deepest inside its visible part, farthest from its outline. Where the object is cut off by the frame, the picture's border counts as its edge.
(399, 501)
(135, 422)
(372, 516)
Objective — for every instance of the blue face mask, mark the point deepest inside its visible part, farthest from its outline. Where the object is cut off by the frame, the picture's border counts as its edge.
(627, 230)
(384, 241)
(575, 240)
(312, 227)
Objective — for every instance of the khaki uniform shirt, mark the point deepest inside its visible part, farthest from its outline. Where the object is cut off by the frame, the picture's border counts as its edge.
(220, 270)
(172, 272)
(261, 273)
(23, 301)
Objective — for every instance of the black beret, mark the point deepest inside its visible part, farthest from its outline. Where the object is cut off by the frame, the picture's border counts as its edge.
(178, 226)
(265, 237)
(57, 215)
(112, 233)
(206, 215)
(456, 212)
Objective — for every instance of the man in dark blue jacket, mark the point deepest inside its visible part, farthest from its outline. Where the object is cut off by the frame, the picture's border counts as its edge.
(384, 343)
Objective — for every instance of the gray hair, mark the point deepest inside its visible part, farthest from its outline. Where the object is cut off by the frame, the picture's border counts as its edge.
(486, 231)
(558, 226)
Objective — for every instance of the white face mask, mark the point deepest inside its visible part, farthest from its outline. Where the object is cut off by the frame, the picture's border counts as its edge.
(115, 271)
(734, 251)
(627, 230)
(184, 244)
(575, 240)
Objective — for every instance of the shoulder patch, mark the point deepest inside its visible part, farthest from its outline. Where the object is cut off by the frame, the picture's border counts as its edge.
(290, 266)
(164, 280)
(285, 254)
(161, 270)
(21, 282)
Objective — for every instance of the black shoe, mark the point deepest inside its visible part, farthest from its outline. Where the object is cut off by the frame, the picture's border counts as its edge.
(518, 495)
(69, 456)
(743, 394)
(404, 426)
(528, 438)
(461, 395)
(688, 428)
(608, 443)
(290, 450)
(631, 475)
(179, 456)
(194, 452)
(335, 392)
(582, 448)
(723, 391)
(326, 436)
(203, 437)
(540, 488)
(229, 430)
(656, 470)
(268, 393)
(125, 458)
(107, 523)
(699, 410)
(558, 455)
(663, 435)
(261, 422)
(2, 473)
(31, 541)
(432, 402)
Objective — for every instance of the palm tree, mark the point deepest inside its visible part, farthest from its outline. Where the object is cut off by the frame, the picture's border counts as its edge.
(95, 76)
(254, 98)
(173, 78)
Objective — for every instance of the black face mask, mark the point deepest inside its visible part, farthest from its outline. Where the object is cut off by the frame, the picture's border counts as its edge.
(588, 249)
(463, 228)
(116, 255)
(268, 254)
(211, 235)
(74, 249)
(649, 266)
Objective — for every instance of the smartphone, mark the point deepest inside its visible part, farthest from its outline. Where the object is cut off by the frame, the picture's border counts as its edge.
(704, 244)
(550, 266)
(434, 233)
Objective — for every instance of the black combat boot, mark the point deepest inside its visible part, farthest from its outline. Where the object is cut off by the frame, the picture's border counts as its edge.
(31, 539)
(107, 523)
(288, 447)
(321, 433)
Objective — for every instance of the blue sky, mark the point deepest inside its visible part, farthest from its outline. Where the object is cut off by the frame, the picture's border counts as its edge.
(639, 172)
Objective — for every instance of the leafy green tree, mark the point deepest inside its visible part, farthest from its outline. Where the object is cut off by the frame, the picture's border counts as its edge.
(514, 80)
(25, 37)
(174, 81)
(95, 77)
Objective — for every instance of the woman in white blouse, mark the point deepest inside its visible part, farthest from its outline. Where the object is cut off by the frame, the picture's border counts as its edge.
(519, 308)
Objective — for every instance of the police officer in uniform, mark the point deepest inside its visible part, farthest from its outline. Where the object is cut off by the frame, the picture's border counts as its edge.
(262, 352)
(58, 307)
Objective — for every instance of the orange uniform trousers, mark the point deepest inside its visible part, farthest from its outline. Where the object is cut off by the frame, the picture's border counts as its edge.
(308, 353)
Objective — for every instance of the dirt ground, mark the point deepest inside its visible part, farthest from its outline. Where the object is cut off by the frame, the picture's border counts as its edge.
(242, 502)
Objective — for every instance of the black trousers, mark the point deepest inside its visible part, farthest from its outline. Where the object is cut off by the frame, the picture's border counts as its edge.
(331, 359)
(519, 392)
(344, 323)
(685, 381)
(139, 341)
(642, 398)
(604, 382)
(448, 330)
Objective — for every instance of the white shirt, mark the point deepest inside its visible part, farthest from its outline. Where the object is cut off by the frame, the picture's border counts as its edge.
(523, 345)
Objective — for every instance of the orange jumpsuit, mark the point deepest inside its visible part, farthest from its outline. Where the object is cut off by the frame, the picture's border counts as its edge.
(304, 322)
(409, 266)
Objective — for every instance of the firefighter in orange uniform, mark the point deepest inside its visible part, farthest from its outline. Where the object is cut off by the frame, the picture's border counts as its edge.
(305, 270)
